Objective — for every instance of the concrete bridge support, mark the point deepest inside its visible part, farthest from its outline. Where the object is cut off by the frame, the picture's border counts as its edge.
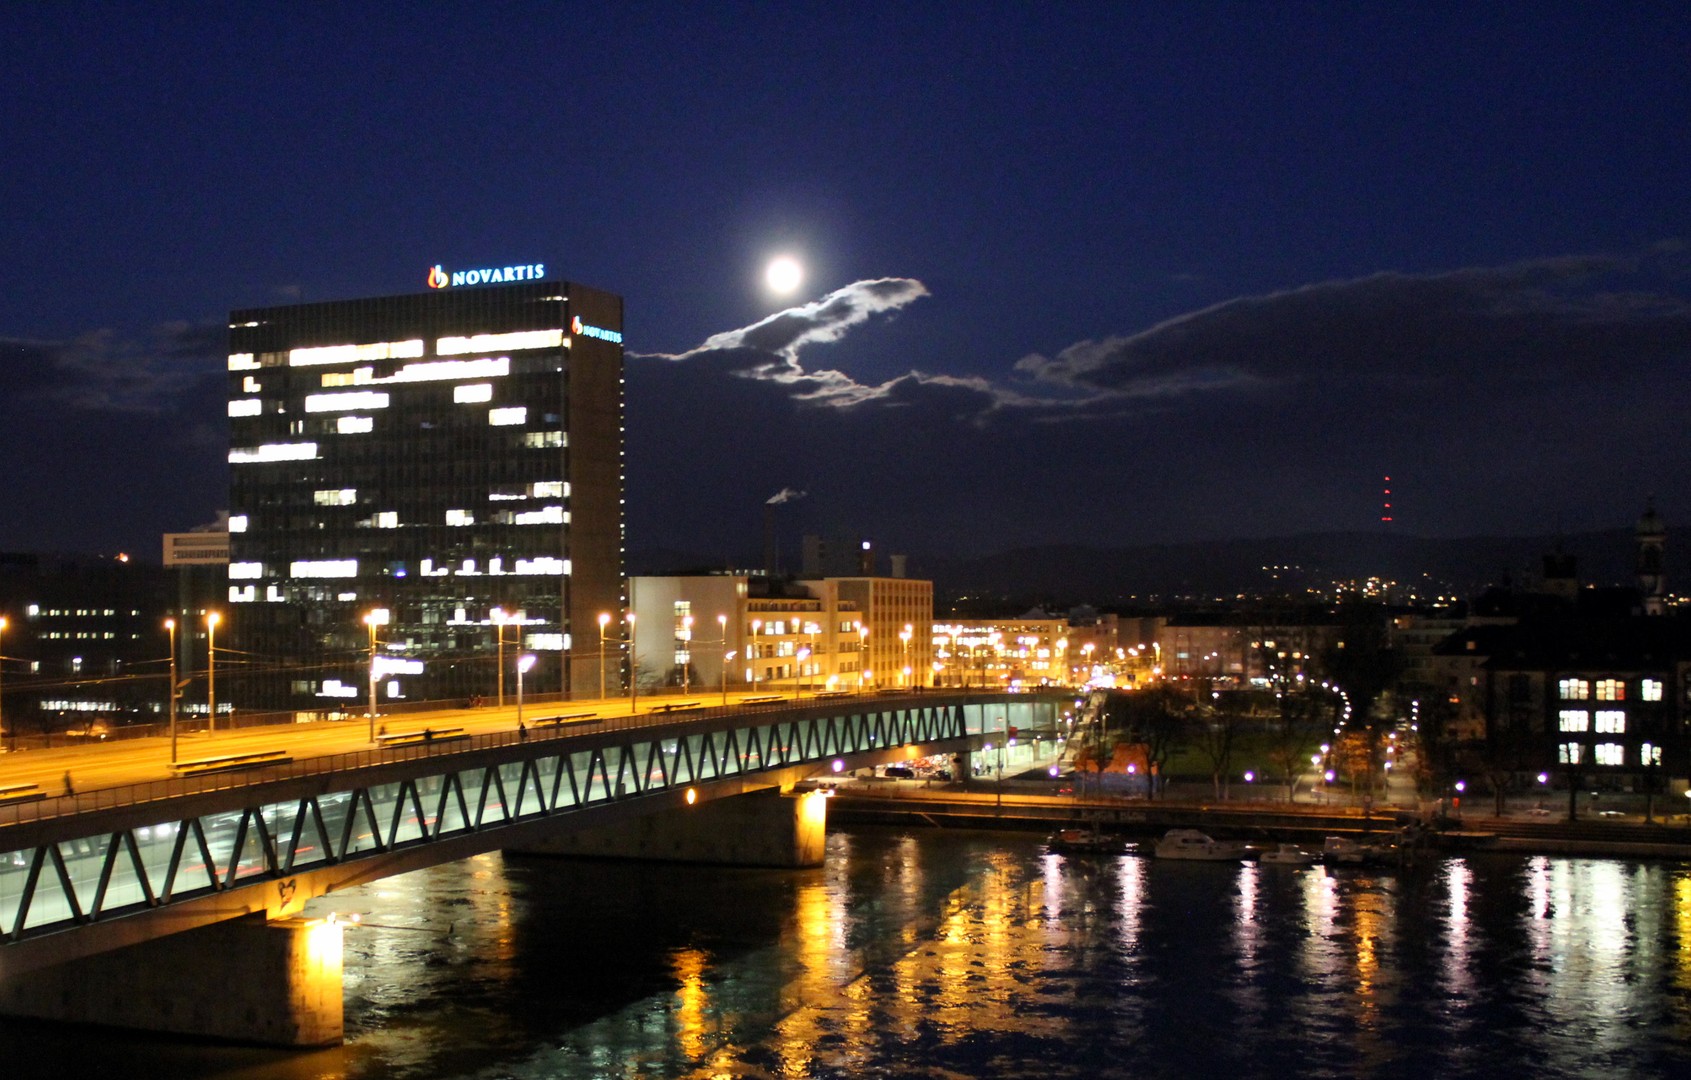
(246, 980)
(765, 828)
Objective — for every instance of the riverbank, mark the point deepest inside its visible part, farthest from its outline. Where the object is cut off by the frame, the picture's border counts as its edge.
(960, 806)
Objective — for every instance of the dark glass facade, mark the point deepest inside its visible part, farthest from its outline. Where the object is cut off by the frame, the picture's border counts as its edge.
(450, 460)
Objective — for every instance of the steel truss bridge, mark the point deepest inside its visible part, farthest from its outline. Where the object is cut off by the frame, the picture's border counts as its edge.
(154, 859)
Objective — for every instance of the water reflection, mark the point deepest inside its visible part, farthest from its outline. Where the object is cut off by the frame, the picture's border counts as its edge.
(964, 955)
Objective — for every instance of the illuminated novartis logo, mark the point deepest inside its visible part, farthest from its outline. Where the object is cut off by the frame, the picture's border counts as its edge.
(581, 329)
(440, 278)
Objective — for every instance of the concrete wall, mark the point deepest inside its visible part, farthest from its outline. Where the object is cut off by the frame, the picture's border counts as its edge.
(760, 829)
(249, 981)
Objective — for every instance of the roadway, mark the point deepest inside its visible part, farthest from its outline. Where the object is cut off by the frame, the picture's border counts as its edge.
(121, 762)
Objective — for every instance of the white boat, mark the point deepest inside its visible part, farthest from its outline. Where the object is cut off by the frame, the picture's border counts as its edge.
(1287, 855)
(1192, 844)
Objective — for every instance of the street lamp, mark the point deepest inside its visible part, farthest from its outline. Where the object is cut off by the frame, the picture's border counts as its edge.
(170, 629)
(633, 670)
(812, 629)
(604, 621)
(751, 653)
(212, 619)
(524, 662)
(722, 632)
(687, 651)
(498, 615)
(862, 654)
(904, 636)
(378, 617)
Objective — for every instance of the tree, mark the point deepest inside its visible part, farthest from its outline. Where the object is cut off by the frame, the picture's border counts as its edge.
(1216, 730)
(1155, 718)
(1364, 667)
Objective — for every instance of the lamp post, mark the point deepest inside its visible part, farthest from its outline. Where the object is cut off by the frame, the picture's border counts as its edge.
(212, 619)
(687, 651)
(498, 616)
(722, 632)
(378, 617)
(810, 676)
(169, 629)
(604, 621)
(904, 636)
(751, 652)
(633, 670)
(524, 662)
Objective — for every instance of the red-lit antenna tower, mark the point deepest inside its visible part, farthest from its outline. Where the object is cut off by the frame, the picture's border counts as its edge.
(1386, 501)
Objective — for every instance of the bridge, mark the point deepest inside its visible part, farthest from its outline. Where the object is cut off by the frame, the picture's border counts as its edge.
(234, 840)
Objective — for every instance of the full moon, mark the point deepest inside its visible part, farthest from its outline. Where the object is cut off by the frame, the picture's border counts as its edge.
(783, 274)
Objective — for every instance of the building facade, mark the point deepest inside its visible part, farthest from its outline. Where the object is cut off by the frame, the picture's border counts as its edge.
(434, 477)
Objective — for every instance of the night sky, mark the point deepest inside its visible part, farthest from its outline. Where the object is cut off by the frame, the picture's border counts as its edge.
(1101, 274)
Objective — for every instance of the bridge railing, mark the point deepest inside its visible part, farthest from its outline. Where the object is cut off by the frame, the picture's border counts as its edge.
(127, 795)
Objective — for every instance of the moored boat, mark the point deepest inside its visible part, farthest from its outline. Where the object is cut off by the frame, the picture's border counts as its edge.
(1287, 855)
(1083, 841)
(1192, 844)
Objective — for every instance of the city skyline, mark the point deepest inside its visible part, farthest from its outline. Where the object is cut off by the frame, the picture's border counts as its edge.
(1092, 276)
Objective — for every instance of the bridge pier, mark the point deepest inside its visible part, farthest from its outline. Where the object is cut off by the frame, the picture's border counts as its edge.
(763, 828)
(245, 980)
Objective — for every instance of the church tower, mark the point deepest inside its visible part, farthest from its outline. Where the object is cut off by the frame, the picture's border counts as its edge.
(1651, 537)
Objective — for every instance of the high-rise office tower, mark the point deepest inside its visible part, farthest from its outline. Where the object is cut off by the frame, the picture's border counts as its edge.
(437, 474)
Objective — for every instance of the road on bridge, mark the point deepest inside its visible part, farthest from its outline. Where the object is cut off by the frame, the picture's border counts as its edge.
(92, 765)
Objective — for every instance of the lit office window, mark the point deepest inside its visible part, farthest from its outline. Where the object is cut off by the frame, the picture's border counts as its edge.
(335, 497)
(323, 568)
(1568, 753)
(246, 455)
(354, 425)
(1611, 722)
(521, 339)
(348, 354)
(1650, 690)
(246, 407)
(241, 571)
(1574, 689)
(1575, 720)
(1610, 754)
(543, 439)
(472, 393)
(237, 523)
(547, 515)
(1611, 690)
(242, 361)
(460, 517)
(347, 401)
(515, 414)
(1649, 754)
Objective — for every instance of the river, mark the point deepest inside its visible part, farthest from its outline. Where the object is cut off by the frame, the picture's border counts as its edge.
(923, 953)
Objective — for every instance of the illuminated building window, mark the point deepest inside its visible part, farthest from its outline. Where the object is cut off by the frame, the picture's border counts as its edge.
(1611, 722)
(543, 439)
(1574, 689)
(1650, 690)
(246, 407)
(355, 425)
(545, 564)
(1610, 754)
(545, 642)
(1568, 753)
(1611, 690)
(472, 393)
(243, 570)
(387, 519)
(347, 401)
(547, 515)
(243, 594)
(348, 354)
(335, 497)
(250, 385)
(550, 489)
(1649, 754)
(460, 517)
(323, 568)
(246, 455)
(1575, 720)
(237, 523)
(451, 371)
(355, 377)
(516, 414)
(521, 339)
(241, 361)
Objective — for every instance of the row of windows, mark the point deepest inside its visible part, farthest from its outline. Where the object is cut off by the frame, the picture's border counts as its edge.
(1607, 689)
(1608, 754)
(1608, 721)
